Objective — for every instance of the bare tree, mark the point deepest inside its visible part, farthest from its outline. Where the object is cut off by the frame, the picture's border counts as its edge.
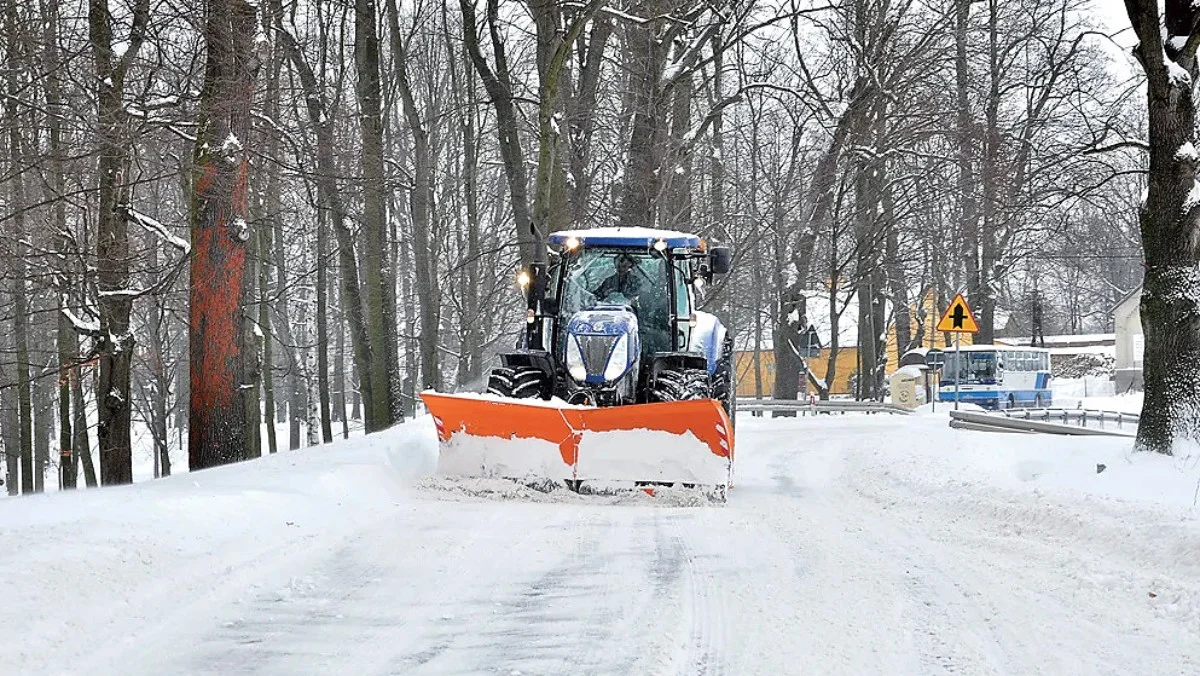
(1170, 224)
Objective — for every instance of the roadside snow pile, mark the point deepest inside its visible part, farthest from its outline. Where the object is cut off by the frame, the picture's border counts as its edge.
(474, 489)
(1099, 466)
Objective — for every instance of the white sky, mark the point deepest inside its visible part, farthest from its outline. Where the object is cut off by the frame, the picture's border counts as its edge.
(1112, 14)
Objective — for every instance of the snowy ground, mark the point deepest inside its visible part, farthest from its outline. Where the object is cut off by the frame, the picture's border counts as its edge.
(850, 545)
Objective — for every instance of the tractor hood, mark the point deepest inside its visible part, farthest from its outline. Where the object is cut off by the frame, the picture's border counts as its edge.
(602, 344)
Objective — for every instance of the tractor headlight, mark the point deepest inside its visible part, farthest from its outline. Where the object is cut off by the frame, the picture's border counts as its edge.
(618, 361)
(575, 365)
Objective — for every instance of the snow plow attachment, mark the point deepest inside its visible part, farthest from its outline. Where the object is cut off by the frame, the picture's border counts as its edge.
(683, 442)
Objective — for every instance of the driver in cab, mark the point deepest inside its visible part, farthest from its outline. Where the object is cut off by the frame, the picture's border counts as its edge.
(625, 281)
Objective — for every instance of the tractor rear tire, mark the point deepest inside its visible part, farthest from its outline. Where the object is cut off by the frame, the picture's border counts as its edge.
(519, 382)
(681, 385)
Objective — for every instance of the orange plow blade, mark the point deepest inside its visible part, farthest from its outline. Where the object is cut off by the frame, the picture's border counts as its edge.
(685, 442)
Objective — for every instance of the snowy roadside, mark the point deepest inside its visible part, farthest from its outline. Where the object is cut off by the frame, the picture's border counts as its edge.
(1118, 523)
(80, 567)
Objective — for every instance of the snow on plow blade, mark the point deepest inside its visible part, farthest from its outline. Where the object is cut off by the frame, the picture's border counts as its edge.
(685, 442)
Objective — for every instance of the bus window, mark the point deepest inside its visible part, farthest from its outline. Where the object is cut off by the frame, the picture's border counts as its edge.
(970, 367)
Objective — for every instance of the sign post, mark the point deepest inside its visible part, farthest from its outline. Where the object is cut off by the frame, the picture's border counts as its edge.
(958, 319)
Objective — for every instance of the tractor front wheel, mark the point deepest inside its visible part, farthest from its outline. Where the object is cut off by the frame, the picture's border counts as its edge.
(519, 382)
(681, 385)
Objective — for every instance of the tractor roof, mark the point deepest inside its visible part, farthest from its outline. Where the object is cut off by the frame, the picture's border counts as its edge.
(627, 237)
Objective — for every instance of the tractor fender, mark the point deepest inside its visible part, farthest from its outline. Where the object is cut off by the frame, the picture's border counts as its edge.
(708, 338)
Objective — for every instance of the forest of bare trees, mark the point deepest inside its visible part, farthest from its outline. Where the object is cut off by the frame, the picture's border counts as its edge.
(220, 218)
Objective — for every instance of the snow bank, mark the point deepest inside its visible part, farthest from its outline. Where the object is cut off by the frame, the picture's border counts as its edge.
(116, 556)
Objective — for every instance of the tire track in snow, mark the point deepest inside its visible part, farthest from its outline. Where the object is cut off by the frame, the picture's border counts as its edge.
(707, 613)
(373, 604)
(553, 622)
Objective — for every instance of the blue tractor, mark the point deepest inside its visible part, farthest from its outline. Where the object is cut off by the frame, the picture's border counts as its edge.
(612, 319)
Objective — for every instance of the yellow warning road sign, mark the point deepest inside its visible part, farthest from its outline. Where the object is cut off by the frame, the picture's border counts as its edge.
(958, 318)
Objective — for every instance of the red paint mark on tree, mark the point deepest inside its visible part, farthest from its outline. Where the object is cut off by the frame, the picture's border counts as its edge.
(217, 415)
(218, 268)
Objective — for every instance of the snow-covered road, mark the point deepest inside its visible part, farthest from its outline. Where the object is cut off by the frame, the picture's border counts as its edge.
(850, 545)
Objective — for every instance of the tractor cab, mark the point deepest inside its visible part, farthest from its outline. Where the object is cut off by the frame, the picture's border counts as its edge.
(645, 283)
(615, 305)
(651, 273)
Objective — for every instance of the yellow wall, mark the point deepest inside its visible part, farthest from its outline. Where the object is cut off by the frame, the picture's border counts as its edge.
(847, 360)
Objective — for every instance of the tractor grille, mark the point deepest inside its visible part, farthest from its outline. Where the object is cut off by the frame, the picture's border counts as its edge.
(595, 351)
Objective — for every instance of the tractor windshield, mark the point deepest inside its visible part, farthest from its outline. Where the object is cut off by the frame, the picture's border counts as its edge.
(637, 279)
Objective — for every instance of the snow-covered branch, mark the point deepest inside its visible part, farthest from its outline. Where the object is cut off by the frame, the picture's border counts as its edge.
(1119, 145)
(83, 327)
(156, 227)
(629, 18)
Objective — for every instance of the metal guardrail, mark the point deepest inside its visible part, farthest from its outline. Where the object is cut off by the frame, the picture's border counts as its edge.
(807, 407)
(1079, 415)
(1074, 422)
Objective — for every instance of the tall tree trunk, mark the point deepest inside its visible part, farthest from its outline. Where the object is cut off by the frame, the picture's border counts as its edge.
(792, 312)
(644, 59)
(396, 392)
(864, 216)
(270, 208)
(323, 326)
(470, 367)
(18, 273)
(498, 84)
(369, 93)
(339, 372)
(551, 208)
(156, 348)
(65, 339)
(217, 424)
(968, 209)
(10, 426)
(304, 368)
(264, 322)
(985, 297)
(251, 348)
(80, 444)
(897, 283)
(1170, 225)
(43, 421)
(116, 345)
(581, 116)
(678, 196)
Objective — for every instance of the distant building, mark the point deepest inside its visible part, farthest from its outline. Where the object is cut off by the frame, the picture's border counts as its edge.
(755, 359)
(1130, 344)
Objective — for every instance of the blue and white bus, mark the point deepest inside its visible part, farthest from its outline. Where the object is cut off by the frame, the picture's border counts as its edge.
(997, 376)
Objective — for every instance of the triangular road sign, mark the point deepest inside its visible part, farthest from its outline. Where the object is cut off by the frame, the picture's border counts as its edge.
(958, 318)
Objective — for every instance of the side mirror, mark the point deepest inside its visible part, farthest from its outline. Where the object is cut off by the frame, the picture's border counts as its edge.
(721, 259)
